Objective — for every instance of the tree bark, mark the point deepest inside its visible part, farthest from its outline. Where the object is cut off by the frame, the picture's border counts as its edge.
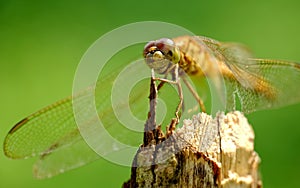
(204, 152)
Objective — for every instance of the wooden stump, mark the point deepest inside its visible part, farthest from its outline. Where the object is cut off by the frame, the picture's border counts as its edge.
(205, 152)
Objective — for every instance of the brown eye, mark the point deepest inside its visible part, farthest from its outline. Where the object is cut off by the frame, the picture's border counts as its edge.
(149, 44)
(170, 53)
(147, 47)
(166, 42)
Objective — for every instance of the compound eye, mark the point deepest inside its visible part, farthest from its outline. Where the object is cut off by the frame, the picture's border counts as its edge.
(147, 47)
(169, 49)
(167, 46)
(165, 42)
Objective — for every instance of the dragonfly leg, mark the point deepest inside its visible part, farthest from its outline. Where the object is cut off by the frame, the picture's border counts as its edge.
(176, 82)
(179, 88)
(195, 94)
(180, 104)
(165, 79)
(160, 85)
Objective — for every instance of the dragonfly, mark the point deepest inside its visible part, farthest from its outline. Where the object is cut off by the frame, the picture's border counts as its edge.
(52, 134)
(254, 83)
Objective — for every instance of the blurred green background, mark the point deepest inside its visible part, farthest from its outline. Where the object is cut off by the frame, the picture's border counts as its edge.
(41, 43)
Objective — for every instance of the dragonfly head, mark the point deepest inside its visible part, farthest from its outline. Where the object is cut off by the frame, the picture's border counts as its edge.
(161, 55)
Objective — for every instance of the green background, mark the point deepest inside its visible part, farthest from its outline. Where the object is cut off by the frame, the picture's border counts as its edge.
(41, 43)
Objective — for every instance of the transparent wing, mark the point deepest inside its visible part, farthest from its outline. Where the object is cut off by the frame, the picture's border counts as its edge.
(46, 133)
(70, 152)
(36, 133)
(264, 83)
(256, 83)
(53, 136)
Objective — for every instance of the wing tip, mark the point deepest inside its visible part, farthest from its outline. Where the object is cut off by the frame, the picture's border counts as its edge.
(18, 125)
(7, 152)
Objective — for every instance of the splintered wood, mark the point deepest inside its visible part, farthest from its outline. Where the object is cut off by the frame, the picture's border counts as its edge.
(205, 152)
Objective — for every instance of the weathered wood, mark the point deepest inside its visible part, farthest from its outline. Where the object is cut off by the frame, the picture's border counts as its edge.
(205, 152)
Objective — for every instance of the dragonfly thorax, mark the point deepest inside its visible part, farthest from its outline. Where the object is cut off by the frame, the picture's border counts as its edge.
(161, 55)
